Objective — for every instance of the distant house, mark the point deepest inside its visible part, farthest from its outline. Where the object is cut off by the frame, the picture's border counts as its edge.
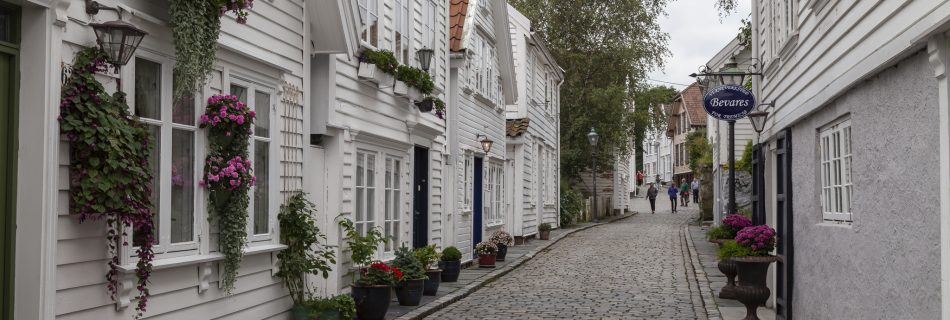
(657, 158)
(686, 115)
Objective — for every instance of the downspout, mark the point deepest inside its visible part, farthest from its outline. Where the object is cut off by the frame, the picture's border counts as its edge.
(558, 143)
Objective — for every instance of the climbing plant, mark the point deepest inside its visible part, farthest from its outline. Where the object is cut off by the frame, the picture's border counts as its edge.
(109, 177)
(227, 176)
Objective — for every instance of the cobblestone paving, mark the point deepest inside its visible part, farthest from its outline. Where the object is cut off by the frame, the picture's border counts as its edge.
(634, 268)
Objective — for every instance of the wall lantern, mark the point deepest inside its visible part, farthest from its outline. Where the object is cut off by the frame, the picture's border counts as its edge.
(118, 39)
(485, 141)
(592, 137)
(758, 120)
(424, 56)
(730, 74)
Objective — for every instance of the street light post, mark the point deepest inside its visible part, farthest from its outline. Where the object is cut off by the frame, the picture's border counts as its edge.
(592, 138)
(732, 167)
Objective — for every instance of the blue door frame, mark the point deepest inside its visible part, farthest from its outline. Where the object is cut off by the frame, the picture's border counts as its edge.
(477, 204)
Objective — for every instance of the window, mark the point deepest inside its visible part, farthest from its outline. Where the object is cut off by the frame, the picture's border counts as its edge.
(783, 23)
(369, 22)
(836, 184)
(493, 194)
(401, 34)
(552, 177)
(365, 212)
(467, 188)
(259, 99)
(392, 204)
(173, 155)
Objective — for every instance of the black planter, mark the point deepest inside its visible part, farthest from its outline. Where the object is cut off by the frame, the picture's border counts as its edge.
(425, 105)
(751, 290)
(502, 251)
(372, 302)
(450, 270)
(409, 292)
(432, 283)
(728, 268)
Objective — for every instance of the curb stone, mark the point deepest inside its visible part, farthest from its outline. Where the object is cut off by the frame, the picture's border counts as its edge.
(459, 294)
(708, 295)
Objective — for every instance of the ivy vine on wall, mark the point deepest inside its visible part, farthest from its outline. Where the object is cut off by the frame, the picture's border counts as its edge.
(109, 175)
(227, 175)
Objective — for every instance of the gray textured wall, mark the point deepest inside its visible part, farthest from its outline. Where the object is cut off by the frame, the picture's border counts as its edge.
(886, 265)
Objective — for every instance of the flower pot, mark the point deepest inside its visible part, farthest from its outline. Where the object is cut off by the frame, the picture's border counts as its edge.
(409, 292)
(486, 260)
(502, 252)
(425, 106)
(751, 289)
(544, 235)
(400, 89)
(432, 283)
(415, 94)
(450, 270)
(728, 268)
(367, 71)
(372, 302)
(384, 80)
(301, 313)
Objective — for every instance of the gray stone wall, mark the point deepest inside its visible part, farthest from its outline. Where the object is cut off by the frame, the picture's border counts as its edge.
(886, 265)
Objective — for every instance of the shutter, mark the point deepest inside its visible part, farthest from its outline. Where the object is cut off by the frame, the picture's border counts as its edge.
(758, 185)
(784, 215)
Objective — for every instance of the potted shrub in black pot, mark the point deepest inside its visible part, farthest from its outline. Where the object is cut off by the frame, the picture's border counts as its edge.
(750, 251)
(373, 281)
(451, 263)
(429, 257)
(410, 285)
(502, 240)
(304, 254)
(544, 231)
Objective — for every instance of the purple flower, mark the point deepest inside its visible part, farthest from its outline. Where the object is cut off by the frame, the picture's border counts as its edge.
(760, 238)
(736, 222)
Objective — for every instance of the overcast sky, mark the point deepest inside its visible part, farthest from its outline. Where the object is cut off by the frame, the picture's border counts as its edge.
(696, 34)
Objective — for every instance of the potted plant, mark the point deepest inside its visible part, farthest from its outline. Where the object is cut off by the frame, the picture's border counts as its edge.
(544, 231)
(372, 62)
(409, 287)
(451, 262)
(502, 240)
(422, 87)
(404, 75)
(750, 251)
(426, 104)
(304, 254)
(340, 307)
(429, 257)
(486, 251)
(373, 281)
(723, 233)
(440, 108)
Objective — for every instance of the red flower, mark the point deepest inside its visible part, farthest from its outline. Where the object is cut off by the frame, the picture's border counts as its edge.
(379, 265)
(397, 273)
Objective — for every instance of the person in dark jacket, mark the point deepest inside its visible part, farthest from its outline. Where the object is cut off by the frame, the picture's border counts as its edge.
(672, 191)
(651, 195)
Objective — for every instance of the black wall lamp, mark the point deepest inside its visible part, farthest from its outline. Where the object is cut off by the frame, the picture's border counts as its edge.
(118, 39)
(424, 56)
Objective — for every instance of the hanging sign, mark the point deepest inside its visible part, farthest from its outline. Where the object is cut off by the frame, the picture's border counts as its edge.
(729, 102)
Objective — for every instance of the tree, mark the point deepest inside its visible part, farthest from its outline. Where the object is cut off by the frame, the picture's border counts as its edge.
(701, 162)
(649, 115)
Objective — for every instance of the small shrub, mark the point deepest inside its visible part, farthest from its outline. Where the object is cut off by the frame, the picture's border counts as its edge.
(344, 304)
(451, 254)
(720, 232)
(428, 256)
(730, 249)
(545, 227)
(572, 203)
(406, 262)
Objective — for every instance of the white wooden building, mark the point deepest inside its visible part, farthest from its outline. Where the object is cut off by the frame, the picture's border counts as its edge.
(481, 83)
(533, 132)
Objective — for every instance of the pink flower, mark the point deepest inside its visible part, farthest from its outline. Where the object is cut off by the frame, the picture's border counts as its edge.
(204, 118)
(201, 183)
(252, 113)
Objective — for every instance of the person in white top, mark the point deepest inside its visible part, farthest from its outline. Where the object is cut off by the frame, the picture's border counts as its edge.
(695, 187)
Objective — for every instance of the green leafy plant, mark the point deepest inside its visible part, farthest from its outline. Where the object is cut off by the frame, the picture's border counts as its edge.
(451, 254)
(572, 203)
(383, 59)
(405, 261)
(720, 232)
(304, 254)
(545, 227)
(730, 249)
(317, 308)
(109, 175)
(428, 256)
(195, 28)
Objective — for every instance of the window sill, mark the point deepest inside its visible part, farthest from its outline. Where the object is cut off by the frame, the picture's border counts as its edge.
(494, 224)
(836, 224)
(549, 205)
(483, 99)
(466, 212)
(169, 263)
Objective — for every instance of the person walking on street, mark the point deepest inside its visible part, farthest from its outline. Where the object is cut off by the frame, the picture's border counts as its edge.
(684, 192)
(695, 190)
(651, 196)
(672, 191)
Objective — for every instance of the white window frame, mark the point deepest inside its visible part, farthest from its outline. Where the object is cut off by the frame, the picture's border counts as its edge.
(836, 179)
(402, 31)
(493, 195)
(364, 10)
(468, 165)
(273, 148)
(361, 187)
(552, 183)
(392, 202)
(378, 218)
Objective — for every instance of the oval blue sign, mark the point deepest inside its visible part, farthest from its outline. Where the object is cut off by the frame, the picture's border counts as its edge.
(729, 102)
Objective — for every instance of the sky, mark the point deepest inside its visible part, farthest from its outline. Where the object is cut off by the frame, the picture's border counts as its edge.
(696, 34)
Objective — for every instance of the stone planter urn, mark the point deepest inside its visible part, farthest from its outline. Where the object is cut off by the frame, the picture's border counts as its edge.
(751, 289)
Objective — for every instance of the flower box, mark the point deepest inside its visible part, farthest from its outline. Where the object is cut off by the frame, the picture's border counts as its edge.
(400, 89)
(367, 71)
(384, 80)
(415, 94)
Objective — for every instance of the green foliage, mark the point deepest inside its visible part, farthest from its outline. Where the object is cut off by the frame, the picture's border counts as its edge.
(304, 254)
(411, 267)
(383, 59)
(109, 172)
(195, 27)
(745, 35)
(572, 203)
(746, 212)
(731, 249)
(362, 247)
(726, 7)
(700, 151)
(451, 254)
(428, 255)
(318, 308)
(545, 227)
(720, 232)
(745, 163)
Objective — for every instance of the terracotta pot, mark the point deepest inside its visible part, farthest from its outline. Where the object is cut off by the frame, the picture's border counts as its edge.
(409, 292)
(372, 302)
(502, 252)
(486, 260)
(751, 289)
(432, 283)
(728, 268)
(450, 270)
(544, 235)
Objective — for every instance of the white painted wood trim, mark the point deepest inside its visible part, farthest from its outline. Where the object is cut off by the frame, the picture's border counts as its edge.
(938, 48)
(203, 258)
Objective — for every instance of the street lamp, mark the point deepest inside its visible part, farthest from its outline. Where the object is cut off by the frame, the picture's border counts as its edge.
(424, 56)
(485, 141)
(730, 74)
(592, 137)
(758, 120)
(118, 39)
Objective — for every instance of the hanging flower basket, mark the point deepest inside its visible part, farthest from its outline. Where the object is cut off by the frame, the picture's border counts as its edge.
(426, 105)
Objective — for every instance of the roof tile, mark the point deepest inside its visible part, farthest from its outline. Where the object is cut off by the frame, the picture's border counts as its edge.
(516, 127)
(458, 9)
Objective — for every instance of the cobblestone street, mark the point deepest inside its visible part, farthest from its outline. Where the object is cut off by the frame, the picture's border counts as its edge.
(635, 268)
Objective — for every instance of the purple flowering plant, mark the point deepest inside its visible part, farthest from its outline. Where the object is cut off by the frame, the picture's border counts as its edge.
(761, 239)
(736, 222)
(238, 7)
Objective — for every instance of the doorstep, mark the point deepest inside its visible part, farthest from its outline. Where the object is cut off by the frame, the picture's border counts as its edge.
(472, 278)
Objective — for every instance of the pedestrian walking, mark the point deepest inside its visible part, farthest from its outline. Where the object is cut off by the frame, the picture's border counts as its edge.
(684, 192)
(651, 196)
(695, 190)
(672, 191)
